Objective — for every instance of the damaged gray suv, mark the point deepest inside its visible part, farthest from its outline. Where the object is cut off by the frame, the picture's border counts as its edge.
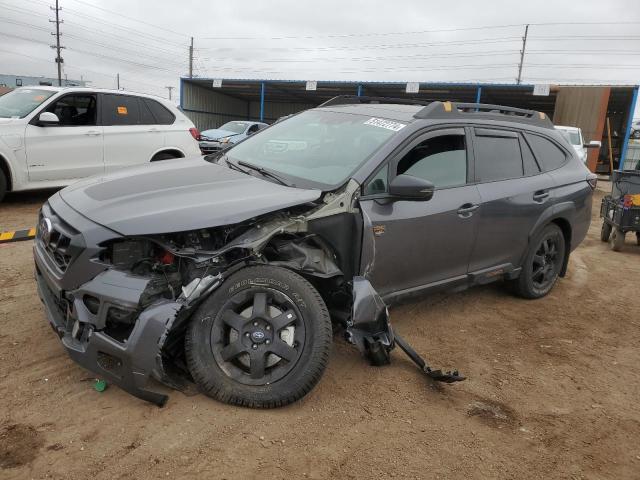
(232, 270)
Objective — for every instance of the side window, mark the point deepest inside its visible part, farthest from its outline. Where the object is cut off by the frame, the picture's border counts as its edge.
(528, 160)
(160, 113)
(146, 117)
(442, 160)
(378, 184)
(75, 110)
(120, 110)
(253, 129)
(497, 156)
(548, 154)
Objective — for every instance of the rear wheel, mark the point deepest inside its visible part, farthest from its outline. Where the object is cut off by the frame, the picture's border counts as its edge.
(542, 264)
(605, 232)
(636, 134)
(261, 340)
(617, 240)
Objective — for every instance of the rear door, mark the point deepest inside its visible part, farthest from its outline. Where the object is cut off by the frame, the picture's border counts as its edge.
(130, 134)
(423, 242)
(513, 191)
(72, 148)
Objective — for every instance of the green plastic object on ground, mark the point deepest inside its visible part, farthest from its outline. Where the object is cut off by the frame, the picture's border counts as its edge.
(100, 385)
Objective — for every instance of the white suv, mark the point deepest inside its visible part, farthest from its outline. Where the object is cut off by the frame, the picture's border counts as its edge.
(50, 137)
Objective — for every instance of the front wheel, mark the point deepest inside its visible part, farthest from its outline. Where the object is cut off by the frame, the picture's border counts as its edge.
(261, 340)
(542, 264)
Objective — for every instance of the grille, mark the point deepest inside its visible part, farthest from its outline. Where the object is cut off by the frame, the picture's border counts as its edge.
(59, 248)
(206, 150)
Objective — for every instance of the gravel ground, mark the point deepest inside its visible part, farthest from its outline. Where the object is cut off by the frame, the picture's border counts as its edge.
(552, 392)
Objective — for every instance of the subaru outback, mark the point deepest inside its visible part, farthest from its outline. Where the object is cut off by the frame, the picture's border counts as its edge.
(232, 270)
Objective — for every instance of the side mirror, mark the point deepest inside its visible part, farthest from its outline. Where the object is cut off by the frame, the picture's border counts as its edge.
(411, 188)
(48, 118)
(593, 144)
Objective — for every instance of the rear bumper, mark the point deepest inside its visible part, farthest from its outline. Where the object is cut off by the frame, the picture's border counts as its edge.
(128, 364)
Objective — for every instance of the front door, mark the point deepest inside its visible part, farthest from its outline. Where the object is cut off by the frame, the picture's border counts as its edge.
(418, 243)
(72, 148)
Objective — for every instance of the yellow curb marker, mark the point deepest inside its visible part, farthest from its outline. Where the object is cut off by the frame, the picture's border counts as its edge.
(17, 235)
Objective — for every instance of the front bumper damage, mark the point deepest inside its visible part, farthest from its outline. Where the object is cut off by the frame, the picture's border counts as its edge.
(129, 364)
(370, 330)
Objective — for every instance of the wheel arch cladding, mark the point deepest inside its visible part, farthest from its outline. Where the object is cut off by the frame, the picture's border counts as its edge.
(565, 226)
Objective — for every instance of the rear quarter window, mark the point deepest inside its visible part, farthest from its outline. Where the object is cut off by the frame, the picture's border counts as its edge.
(548, 154)
(498, 155)
(162, 115)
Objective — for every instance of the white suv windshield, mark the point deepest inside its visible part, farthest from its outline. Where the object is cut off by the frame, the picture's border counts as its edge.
(318, 148)
(20, 103)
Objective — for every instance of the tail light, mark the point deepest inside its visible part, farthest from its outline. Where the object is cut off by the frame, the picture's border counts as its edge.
(194, 133)
(592, 181)
(627, 201)
(166, 258)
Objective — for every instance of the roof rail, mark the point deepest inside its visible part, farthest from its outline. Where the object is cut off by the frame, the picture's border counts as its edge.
(355, 100)
(449, 110)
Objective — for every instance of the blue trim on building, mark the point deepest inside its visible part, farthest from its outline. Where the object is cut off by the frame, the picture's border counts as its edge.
(359, 90)
(478, 93)
(625, 144)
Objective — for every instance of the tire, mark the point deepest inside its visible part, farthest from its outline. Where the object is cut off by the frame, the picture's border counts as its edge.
(637, 238)
(3, 185)
(542, 264)
(617, 240)
(261, 340)
(605, 232)
(636, 134)
(163, 156)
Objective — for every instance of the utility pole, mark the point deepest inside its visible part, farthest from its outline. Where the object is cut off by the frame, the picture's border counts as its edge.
(191, 59)
(169, 88)
(57, 46)
(524, 46)
(117, 81)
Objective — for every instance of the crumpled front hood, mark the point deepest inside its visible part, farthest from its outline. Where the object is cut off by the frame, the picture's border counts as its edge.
(178, 195)
(217, 134)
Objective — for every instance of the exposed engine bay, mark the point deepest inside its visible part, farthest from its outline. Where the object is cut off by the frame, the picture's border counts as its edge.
(131, 318)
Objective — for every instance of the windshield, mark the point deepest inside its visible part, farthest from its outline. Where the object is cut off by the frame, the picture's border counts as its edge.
(318, 147)
(21, 102)
(235, 127)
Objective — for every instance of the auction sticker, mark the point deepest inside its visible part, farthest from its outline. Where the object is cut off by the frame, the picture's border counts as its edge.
(388, 124)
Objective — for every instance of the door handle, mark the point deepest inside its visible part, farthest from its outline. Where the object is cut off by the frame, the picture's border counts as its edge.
(92, 133)
(466, 210)
(540, 196)
(153, 129)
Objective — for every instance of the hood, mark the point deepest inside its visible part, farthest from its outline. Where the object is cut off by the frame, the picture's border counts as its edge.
(178, 195)
(216, 134)
(5, 121)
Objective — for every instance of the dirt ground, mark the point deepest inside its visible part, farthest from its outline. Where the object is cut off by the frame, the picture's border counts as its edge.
(552, 392)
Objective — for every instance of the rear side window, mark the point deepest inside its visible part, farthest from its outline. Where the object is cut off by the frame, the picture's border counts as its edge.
(162, 115)
(549, 155)
(497, 155)
(120, 110)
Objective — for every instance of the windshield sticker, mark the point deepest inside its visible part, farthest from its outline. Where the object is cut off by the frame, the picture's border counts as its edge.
(388, 124)
(122, 111)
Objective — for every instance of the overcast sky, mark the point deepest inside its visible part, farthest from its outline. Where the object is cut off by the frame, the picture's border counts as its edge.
(590, 41)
